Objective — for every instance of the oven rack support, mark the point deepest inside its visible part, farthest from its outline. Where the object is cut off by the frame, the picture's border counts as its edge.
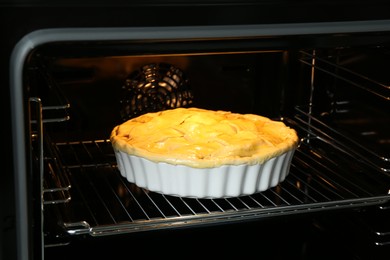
(56, 108)
(353, 78)
(53, 110)
(318, 128)
(349, 138)
(55, 186)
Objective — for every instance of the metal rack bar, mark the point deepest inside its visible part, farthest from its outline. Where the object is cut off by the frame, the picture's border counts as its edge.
(333, 186)
(319, 128)
(135, 201)
(355, 79)
(56, 185)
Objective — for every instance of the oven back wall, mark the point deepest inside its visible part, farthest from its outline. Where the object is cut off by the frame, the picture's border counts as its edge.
(242, 83)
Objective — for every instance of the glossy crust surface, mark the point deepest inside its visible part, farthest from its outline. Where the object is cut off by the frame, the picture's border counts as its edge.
(201, 138)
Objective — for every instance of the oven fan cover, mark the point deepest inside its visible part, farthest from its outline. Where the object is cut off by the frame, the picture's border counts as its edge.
(154, 87)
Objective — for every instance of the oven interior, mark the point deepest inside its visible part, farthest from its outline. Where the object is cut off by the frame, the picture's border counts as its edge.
(334, 93)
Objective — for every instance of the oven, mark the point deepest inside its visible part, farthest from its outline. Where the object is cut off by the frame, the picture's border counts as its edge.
(69, 70)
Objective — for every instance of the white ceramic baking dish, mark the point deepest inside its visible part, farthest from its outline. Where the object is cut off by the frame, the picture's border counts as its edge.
(220, 182)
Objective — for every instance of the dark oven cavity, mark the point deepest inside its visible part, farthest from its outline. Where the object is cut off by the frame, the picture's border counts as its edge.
(336, 98)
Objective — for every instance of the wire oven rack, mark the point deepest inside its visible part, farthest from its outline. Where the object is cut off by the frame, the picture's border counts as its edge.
(104, 203)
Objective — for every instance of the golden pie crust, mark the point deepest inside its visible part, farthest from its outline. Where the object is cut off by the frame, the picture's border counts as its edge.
(202, 138)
